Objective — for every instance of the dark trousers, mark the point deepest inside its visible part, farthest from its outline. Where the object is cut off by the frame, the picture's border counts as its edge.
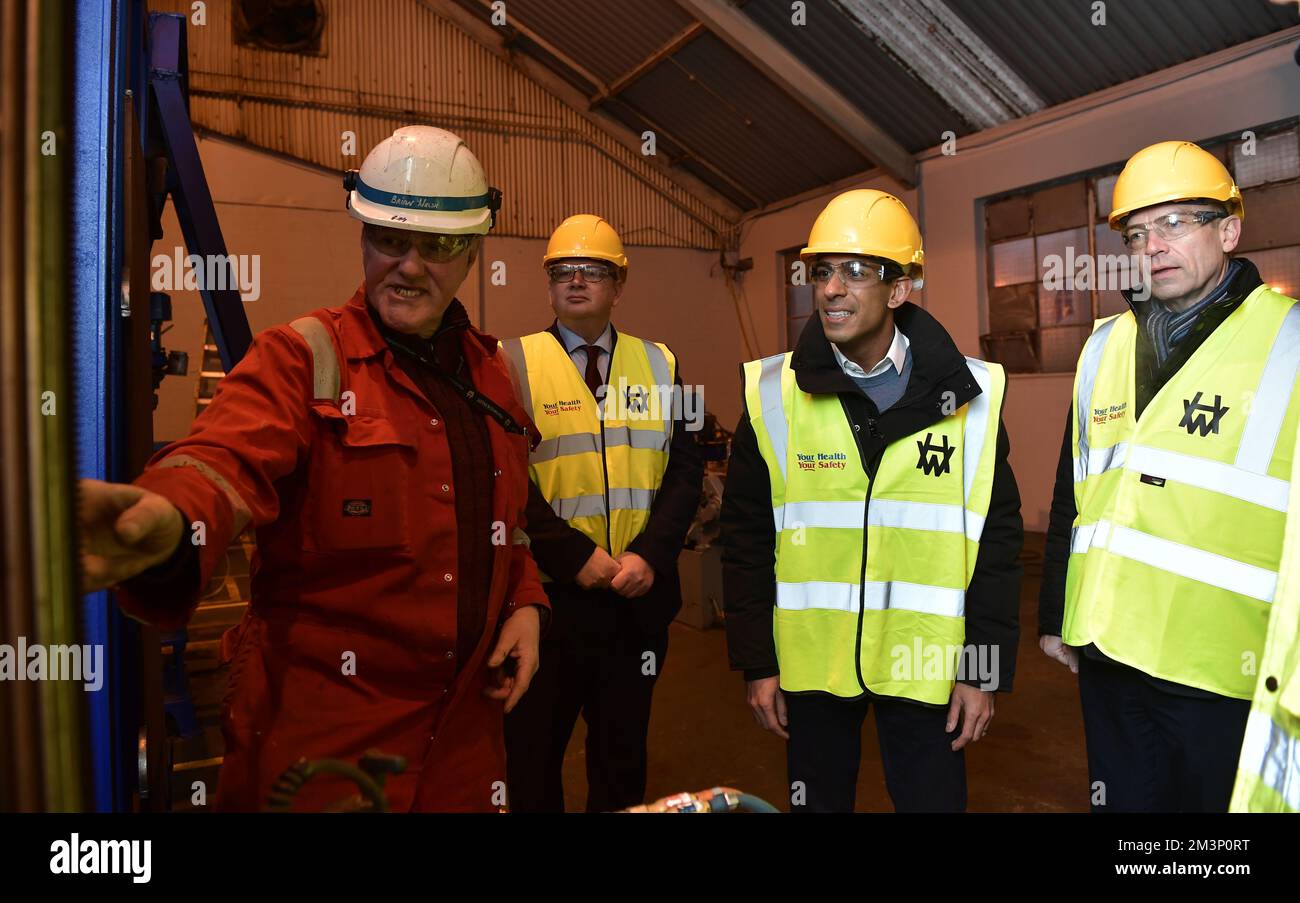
(603, 667)
(1150, 750)
(922, 773)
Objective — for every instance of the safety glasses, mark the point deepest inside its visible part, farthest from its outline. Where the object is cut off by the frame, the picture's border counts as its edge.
(1170, 227)
(433, 247)
(591, 272)
(852, 272)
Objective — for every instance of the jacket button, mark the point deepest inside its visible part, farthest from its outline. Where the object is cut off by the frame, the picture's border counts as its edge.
(433, 422)
(1271, 684)
(446, 488)
(447, 577)
(496, 473)
(451, 655)
(857, 427)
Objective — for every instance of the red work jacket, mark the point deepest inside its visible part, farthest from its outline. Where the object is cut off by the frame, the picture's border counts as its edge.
(349, 643)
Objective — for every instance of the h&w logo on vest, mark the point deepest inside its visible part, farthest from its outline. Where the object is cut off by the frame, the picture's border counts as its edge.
(934, 458)
(1202, 417)
(637, 399)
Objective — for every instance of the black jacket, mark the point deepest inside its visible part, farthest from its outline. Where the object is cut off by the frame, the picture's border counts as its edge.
(749, 535)
(1149, 378)
(561, 551)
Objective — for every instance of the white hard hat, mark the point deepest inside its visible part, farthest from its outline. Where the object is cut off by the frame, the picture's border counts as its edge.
(426, 179)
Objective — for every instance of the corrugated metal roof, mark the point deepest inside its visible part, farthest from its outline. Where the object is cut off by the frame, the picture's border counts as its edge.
(717, 103)
(837, 51)
(392, 63)
(606, 37)
(717, 116)
(1054, 46)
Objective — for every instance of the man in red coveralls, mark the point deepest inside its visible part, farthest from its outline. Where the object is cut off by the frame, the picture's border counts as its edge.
(380, 452)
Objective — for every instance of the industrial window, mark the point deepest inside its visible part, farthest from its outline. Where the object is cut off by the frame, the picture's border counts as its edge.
(798, 298)
(1037, 322)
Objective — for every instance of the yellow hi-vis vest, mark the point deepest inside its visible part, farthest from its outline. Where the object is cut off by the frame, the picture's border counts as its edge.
(1175, 549)
(1268, 775)
(880, 609)
(598, 465)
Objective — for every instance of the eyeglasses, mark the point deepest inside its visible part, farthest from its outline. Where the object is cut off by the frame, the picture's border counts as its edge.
(433, 247)
(852, 272)
(591, 272)
(1170, 227)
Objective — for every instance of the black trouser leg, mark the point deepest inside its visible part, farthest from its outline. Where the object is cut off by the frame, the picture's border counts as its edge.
(1128, 761)
(617, 713)
(922, 772)
(1204, 739)
(824, 751)
(538, 730)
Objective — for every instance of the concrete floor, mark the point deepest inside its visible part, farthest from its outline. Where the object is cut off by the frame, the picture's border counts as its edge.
(702, 734)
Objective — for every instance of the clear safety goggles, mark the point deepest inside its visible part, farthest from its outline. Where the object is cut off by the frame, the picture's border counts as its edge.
(852, 272)
(1170, 227)
(433, 247)
(591, 272)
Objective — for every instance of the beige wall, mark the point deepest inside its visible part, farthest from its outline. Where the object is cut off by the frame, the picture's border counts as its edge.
(291, 215)
(1235, 95)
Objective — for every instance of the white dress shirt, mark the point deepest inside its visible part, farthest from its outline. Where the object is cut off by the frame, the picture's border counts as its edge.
(896, 357)
(575, 345)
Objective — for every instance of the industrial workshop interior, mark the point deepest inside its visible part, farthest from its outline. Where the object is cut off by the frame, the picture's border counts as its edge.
(541, 406)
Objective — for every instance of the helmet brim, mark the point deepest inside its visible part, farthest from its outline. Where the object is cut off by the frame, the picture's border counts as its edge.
(459, 222)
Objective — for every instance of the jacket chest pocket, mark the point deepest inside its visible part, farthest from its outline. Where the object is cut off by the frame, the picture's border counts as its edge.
(360, 485)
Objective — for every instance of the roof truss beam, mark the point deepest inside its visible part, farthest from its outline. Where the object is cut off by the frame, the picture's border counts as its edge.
(767, 55)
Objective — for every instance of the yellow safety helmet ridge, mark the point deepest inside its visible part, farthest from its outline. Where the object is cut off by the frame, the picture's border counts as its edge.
(586, 235)
(868, 223)
(1172, 171)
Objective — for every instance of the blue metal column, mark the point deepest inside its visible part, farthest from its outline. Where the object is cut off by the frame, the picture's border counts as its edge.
(100, 31)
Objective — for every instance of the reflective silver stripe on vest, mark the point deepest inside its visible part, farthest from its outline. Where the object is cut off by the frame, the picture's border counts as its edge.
(658, 364)
(936, 518)
(978, 417)
(1215, 476)
(1273, 755)
(1264, 425)
(515, 349)
(652, 440)
(594, 505)
(880, 596)
(769, 398)
(1203, 473)
(584, 443)
(1176, 558)
(631, 499)
(579, 506)
(569, 444)
(1088, 368)
(1101, 460)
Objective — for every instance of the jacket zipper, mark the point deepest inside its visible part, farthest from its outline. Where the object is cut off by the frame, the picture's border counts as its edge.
(862, 576)
(604, 476)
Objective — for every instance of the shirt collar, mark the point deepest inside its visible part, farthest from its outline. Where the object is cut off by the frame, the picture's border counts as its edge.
(573, 341)
(895, 356)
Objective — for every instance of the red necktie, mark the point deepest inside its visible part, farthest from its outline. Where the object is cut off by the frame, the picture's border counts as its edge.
(594, 381)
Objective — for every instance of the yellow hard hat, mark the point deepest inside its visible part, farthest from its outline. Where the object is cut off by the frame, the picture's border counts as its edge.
(868, 223)
(586, 235)
(1172, 171)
